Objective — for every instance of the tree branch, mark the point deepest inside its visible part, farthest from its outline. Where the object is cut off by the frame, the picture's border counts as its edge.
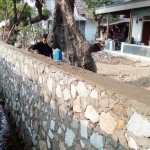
(38, 18)
(15, 11)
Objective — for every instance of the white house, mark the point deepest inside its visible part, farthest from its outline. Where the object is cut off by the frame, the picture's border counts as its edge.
(139, 25)
(139, 12)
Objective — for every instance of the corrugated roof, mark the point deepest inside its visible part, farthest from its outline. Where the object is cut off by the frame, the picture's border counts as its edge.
(115, 23)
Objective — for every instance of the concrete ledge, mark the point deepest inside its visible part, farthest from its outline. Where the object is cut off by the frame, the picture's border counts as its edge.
(136, 50)
(133, 92)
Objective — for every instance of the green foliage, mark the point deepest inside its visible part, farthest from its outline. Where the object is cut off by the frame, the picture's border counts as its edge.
(46, 11)
(7, 10)
(29, 33)
(27, 12)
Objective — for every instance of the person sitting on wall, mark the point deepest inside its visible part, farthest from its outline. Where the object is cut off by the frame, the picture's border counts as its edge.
(42, 47)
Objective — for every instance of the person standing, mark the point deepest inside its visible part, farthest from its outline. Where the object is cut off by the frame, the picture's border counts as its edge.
(42, 47)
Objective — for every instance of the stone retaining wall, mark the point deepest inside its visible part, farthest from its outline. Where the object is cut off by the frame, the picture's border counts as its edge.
(57, 106)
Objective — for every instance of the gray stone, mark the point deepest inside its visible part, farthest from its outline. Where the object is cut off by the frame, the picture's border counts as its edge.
(50, 134)
(53, 105)
(107, 123)
(139, 125)
(69, 137)
(97, 141)
(142, 141)
(74, 124)
(42, 145)
(43, 133)
(62, 111)
(83, 128)
(61, 146)
(91, 114)
(120, 135)
(48, 142)
(82, 144)
(45, 125)
(52, 125)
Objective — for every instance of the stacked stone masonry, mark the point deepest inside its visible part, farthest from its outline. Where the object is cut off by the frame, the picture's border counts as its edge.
(56, 110)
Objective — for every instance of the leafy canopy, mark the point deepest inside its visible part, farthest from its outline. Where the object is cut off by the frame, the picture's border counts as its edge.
(7, 10)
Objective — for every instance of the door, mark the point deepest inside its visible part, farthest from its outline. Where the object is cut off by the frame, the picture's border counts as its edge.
(146, 32)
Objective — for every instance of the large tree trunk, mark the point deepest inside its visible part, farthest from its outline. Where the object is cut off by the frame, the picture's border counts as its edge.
(66, 36)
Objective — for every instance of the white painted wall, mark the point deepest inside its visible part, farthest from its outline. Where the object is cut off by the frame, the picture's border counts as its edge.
(90, 30)
(138, 27)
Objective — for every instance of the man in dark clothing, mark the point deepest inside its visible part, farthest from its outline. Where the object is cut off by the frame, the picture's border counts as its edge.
(42, 47)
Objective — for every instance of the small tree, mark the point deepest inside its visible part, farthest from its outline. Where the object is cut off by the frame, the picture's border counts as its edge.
(20, 13)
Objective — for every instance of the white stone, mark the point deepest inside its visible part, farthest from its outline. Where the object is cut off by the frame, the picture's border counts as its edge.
(23, 117)
(82, 144)
(34, 137)
(84, 103)
(94, 94)
(58, 91)
(52, 125)
(70, 80)
(83, 128)
(148, 148)
(59, 131)
(25, 69)
(61, 82)
(53, 105)
(77, 105)
(139, 125)
(40, 79)
(97, 140)
(69, 137)
(50, 134)
(48, 142)
(91, 114)
(50, 84)
(131, 142)
(73, 91)
(82, 90)
(107, 123)
(66, 94)
(90, 87)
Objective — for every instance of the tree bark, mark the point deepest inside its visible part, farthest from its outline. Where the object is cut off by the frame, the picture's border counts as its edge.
(67, 37)
(99, 23)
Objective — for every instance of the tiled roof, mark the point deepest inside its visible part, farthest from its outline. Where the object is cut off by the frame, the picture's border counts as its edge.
(80, 5)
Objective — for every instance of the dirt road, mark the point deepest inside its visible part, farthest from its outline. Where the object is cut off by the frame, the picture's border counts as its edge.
(131, 71)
